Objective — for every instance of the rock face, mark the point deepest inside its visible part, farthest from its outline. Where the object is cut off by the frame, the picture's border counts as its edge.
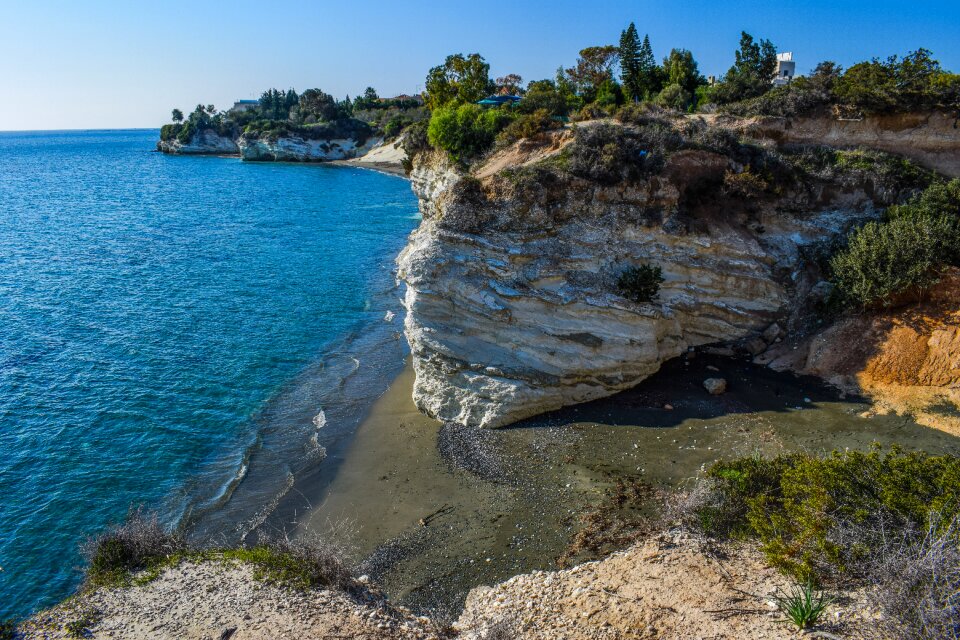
(207, 142)
(512, 304)
(296, 149)
(907, 360)
(932, 139)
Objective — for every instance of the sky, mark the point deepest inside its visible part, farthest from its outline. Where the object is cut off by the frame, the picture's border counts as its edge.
(104, 64)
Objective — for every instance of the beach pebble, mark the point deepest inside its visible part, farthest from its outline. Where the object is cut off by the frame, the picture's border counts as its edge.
(715, 386)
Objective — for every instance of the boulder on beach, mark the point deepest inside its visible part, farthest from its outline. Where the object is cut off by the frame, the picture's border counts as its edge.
(715, 386)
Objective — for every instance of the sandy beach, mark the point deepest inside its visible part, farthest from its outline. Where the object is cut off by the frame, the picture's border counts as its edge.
(432, 511)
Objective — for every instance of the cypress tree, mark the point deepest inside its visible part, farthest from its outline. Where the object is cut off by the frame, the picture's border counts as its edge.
(649, 72)
(630, 62)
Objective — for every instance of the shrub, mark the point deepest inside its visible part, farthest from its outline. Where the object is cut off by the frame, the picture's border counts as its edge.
(803, 95)
(675, 97)
(137, 544)
(609, 154)
(640, 113)
(915, 81)
(588, 112)
(886, 259)
(803, 508)
(416, 140)
(887, 173)
(302, 564)
(465, 131)
(528, 126)
(746, 183)
(640, 283)
(939, 198)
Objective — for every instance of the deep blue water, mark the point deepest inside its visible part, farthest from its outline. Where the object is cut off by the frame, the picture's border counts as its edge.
(166, 322)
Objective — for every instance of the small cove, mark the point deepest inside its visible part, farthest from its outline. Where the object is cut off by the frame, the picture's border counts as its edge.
(430, 529)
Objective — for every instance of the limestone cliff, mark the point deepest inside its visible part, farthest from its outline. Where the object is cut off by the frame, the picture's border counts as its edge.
(207, 142)
(512, 304)
(931, 139)
(296, 149)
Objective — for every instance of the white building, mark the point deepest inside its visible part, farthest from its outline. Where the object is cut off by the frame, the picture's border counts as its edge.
(243, 105)
(786, 69)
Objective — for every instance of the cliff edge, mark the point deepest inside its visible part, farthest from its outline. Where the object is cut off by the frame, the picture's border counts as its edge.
(513, 305)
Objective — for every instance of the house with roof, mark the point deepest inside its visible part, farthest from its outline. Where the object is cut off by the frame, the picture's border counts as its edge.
(243, 105)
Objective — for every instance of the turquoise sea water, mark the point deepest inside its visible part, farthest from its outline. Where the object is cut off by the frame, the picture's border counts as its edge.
(185, 333)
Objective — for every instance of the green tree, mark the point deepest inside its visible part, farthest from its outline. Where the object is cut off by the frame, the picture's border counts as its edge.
(459, 79)
(915, 81)
(630, 63)
(681, 69)
(674, 96)
(318, 106)
(177, 116)
(290, 99)
(609, 94)
(594, 67)
(650, 81)
(370, 94)
(545, 95)
(509, 85)
(752, 72)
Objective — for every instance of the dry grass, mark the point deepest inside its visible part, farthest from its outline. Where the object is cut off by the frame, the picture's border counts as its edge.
(917, 588)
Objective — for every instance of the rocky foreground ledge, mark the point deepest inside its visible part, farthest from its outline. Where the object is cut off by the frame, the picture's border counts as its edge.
(667, 587)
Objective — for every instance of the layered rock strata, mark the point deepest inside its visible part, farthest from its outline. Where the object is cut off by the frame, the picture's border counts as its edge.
(207, 142)
(512, 301)
(297, 149)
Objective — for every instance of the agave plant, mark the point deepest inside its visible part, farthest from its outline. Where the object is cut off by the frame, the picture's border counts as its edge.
(802, 604)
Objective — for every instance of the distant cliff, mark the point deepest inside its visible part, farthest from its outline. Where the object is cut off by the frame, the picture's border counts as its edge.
(293, 148)
(206, 142)
(271, 146)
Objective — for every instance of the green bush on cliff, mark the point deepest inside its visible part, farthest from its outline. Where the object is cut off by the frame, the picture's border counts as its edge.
(825, 518)
(137, 544)
(883, 259)
(466, 131)
(141, 545)
(528, 126)
(609, 154)
(904, 252)
(640, 283)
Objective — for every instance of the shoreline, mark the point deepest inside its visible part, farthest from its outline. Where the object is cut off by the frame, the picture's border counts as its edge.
(432, 511)
(388, 168)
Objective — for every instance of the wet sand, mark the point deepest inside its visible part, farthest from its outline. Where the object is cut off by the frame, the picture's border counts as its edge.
(436, 511)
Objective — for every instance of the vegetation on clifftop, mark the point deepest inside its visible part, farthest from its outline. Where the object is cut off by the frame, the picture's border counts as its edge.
(607, 77)
(889, 521)
(139, 548)
(312, 115)
(915, 82)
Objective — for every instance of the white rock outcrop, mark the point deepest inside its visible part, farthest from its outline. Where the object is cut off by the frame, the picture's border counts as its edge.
(207, 142)
(297, 149)
(513, 309)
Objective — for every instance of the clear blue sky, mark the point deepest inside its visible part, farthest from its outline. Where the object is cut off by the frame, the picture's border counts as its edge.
(115, 64)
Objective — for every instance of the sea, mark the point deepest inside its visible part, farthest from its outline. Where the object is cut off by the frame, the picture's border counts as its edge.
(184, 335)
